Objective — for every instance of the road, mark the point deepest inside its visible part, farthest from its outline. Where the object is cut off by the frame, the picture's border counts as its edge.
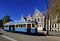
(25, 37)
(3, 39)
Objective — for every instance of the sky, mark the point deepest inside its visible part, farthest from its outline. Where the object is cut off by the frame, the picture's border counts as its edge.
(15, 8)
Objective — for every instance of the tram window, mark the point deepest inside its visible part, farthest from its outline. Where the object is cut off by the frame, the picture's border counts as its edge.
(23, 25)
(29, 25)
(6, 26)
(33, 25)
(20, 25)
(10, 25)
(16, 25)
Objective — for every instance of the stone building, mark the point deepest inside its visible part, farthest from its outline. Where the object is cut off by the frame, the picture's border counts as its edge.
(38, 18)
(55, 26)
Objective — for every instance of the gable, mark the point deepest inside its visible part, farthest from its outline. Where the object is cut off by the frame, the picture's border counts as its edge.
(38, 13)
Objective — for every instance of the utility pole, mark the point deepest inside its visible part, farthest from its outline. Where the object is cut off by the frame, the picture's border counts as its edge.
(47, 17)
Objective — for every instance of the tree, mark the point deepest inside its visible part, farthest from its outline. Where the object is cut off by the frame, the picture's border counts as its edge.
(54, 10)
(6, 19)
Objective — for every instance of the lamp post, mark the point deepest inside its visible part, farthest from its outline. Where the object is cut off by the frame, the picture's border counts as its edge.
(47, 17)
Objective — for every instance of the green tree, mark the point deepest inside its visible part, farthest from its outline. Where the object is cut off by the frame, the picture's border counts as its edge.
(6, 19)
(54, 10)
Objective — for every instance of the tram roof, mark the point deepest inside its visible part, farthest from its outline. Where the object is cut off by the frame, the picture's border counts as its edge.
(9, 23)
(21, 22)
(16, 22)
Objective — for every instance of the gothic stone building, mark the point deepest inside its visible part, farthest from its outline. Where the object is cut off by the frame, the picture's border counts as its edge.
(38, 17)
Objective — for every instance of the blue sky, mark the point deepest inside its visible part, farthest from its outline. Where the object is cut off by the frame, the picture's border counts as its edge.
(15, 8)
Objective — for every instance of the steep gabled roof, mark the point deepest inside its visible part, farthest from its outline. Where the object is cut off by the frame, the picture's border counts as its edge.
(38, 12)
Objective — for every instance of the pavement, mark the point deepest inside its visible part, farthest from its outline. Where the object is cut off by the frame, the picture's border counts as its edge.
(26, 37)
(57, 34)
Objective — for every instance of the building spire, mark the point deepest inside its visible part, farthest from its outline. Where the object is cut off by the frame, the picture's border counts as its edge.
(22, 16)
(29, 15)
(35, 8)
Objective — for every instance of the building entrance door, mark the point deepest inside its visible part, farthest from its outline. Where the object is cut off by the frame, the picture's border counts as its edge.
(39, 28)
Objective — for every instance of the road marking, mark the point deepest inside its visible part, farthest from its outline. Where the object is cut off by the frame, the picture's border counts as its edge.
(8, 38)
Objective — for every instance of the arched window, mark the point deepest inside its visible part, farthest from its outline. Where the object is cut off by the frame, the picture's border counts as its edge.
(29, 20)
(40, 25)
(52, 26)
(35, 19)
(38, 19)
(55, 25)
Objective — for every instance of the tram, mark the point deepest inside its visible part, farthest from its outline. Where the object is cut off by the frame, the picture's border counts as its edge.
(20, 26)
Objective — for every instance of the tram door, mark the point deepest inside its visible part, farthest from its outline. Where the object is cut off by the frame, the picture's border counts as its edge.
(9, 27)
(13, 28)
(28, 28)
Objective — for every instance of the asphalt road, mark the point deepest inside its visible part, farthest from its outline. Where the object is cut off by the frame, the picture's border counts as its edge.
(3, 39)
(25, 37)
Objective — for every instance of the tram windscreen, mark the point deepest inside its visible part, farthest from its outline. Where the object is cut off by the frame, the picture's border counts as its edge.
(17, 25)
